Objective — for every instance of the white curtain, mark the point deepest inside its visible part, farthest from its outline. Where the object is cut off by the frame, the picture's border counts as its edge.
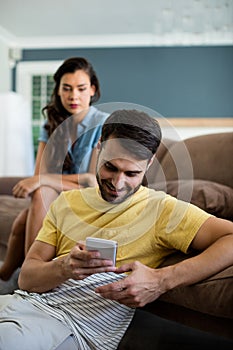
(16, 145)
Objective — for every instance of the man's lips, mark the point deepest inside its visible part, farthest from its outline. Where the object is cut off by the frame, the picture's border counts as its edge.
(113, 191)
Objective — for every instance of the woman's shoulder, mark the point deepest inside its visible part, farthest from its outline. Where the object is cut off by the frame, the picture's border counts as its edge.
(97, 114)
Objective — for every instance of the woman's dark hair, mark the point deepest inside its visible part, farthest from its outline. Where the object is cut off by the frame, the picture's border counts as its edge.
(136, 126)
(56, 113)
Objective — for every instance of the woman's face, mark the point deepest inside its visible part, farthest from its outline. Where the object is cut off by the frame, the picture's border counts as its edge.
(75, 91)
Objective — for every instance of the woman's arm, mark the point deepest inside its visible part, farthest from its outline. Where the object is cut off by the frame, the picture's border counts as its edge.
(84, 180)
(56, 181)
(39, 166)
(66, 182)
(26, 186)
(93, 161)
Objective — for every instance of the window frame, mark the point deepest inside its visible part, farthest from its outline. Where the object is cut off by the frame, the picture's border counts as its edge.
(25, 72)
(27, 69)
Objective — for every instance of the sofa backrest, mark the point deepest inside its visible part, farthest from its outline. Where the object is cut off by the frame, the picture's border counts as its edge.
(206, 157)
(7, 183)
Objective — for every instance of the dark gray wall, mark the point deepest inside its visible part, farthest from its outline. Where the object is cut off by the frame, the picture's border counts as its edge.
(174, 81)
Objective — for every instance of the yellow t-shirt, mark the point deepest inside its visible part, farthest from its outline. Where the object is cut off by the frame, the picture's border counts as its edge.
(148, 226)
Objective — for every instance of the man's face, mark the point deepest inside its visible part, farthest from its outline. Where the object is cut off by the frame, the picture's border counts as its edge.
(119, 173)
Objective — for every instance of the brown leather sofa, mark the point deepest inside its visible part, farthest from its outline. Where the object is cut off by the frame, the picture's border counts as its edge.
(199, 170)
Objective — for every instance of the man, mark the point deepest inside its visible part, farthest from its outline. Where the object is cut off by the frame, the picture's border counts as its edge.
(70, 298)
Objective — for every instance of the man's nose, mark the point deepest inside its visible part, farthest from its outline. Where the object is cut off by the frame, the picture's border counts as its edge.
(118, 181)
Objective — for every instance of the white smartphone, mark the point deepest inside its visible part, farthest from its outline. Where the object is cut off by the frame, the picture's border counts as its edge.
(106, 247)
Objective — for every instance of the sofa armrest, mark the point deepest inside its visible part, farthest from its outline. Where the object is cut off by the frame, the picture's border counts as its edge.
(7, 183)
(212, 296)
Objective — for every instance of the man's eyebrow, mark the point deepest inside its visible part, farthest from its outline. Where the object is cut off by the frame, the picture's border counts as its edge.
(134, 171)
(127, 171)
(107, 162)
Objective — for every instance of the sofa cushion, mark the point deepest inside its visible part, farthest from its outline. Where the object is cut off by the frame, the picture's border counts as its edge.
(9, 209)
(205, 157)
(212, 296)
(215, 198)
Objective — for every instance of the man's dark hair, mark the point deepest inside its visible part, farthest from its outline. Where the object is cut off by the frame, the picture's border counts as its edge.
(136, 126)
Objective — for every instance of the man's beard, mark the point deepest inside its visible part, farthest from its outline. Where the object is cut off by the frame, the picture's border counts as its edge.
(110, 197)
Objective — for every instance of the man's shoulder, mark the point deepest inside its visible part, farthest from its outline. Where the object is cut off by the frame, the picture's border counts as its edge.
(152, 194)
(75, 193)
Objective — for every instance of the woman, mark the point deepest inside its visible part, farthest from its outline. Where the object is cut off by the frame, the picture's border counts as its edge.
(66, 157)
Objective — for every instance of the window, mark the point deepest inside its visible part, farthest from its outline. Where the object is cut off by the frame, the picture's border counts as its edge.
(42, 88)
(34, 80)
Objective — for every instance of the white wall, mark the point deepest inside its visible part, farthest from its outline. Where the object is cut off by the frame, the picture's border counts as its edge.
(16, 147)
(5, 71)
(15, 136)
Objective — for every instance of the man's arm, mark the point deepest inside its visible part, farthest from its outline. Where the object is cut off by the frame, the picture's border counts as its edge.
(41, 272)
(215, 241)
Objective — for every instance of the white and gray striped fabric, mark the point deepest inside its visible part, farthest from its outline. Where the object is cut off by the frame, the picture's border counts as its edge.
(95, 322)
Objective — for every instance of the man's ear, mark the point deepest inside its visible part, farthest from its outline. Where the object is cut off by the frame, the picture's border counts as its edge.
(98, 147)
(151, 161)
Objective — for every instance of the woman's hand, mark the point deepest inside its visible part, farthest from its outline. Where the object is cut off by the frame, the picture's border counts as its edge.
(87, 180)
(26, 186)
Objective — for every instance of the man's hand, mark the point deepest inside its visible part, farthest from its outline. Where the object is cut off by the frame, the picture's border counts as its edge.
(80, 263)
(141, 287)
